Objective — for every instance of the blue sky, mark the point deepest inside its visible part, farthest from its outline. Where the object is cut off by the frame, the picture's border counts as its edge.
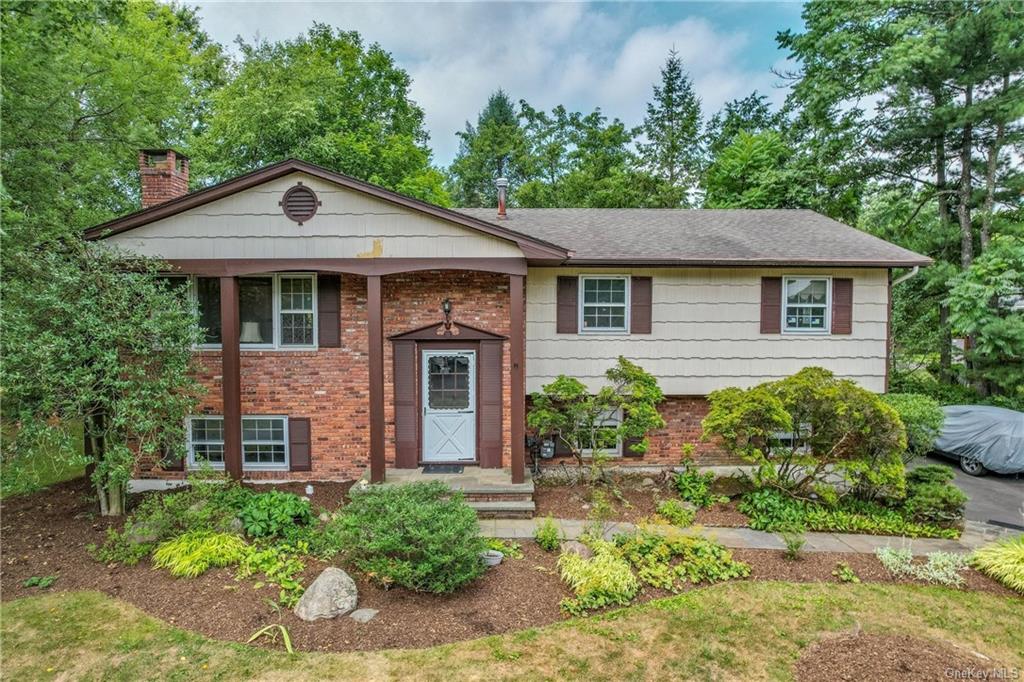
(583, 55)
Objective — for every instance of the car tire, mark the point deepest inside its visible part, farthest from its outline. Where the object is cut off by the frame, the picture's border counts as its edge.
(972, 467)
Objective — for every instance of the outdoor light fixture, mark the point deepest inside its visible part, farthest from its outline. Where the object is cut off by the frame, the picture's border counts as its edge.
(446, 308)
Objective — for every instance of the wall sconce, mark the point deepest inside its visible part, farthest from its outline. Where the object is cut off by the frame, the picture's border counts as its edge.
(446, 308)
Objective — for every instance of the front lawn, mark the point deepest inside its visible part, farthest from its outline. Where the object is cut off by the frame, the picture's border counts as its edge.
(751, 630)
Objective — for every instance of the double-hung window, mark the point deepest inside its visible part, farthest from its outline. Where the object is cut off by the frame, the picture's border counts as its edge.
(805, 304)
(604, 303)
(603, 438)
(264, 442)
(275, 311)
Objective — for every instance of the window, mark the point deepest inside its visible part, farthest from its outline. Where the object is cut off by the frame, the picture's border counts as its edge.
(275, 311)
(607, 442)
(264, 442)
(604, 305)
(805, 304)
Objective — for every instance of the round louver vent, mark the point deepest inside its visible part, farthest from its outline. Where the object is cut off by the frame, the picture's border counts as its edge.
(300, 203)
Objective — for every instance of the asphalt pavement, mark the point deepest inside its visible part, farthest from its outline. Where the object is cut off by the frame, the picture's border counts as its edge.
(992, 497)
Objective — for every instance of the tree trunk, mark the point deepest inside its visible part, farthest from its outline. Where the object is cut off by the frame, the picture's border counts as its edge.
(942, 197)
(990, 176)
(964, 209)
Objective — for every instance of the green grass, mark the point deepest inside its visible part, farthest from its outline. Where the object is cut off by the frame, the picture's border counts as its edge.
(24, 474)
(750, 630)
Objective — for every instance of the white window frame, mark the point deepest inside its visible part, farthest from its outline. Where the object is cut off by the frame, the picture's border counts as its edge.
(275, 344)
(582, 304)
(193, 464)
(612, 452)
(827, 330)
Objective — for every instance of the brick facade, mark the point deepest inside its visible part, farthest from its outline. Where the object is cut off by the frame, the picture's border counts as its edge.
(330, 385)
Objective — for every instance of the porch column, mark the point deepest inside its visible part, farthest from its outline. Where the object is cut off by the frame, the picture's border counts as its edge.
(231, 372)
(517, 336)
(375, 324)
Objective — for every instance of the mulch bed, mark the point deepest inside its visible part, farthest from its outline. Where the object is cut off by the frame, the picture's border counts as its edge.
(47, 534)
(328, 495)
(574, 502)
(884, 657)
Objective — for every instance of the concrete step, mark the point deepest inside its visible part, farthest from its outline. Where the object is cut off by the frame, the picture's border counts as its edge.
(514, 509)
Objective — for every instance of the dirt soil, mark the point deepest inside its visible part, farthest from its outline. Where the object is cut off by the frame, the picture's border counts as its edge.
(884, 657)
(574, 502)
(47, 533)
(328, 495)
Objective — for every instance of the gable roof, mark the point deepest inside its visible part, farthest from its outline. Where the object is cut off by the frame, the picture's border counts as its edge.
(532, 247)
(769, 237)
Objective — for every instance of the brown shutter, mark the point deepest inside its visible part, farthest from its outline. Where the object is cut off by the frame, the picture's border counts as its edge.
(567, 312)
(490, 403)
(299, 444)
(640, 305)
(406, 405)
(842, 306)
(626, 451)
(771, 305)
(328, 298)
(168, 461)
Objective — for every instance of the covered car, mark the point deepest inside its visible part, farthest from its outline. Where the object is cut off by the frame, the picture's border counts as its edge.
(983, 438)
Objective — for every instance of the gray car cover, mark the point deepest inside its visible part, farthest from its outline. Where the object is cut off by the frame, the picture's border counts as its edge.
(992, 435)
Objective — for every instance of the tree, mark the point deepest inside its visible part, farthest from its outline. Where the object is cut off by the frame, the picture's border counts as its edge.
(93, 337)
(325, 98)
(496, 147)
(837, 429)
(586, 422)
(672, 150)
(754, 172)
(752, 114)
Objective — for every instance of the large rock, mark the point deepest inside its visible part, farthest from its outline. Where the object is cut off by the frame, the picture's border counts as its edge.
(332, 594)
(363, 615)
(575, 547)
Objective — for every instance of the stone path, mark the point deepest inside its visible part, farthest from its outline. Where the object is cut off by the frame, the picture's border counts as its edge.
(975, 535)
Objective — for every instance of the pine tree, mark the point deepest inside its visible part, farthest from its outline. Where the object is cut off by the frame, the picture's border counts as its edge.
(672, 129)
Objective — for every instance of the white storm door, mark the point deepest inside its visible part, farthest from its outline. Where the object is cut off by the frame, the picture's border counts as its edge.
(449, 406)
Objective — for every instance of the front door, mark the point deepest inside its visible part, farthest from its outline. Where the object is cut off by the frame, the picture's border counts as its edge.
(449, 406)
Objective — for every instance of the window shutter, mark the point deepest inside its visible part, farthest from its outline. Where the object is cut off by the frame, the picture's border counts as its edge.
(842, 306)
(771, 305)
(626, 451)
(490, 403)
(640, 305)
(567, 320)
(328, 295)
(168, 461)
(407, 422)
(299, 446)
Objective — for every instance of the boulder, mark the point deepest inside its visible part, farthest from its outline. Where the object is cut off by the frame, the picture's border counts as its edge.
(689, 506)
(576, 547)
(141, 535)
(647, 482)
(236, 525)
(363, 615)
(332, 594)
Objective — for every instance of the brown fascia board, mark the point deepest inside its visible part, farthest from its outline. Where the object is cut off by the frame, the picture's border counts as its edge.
(531, 246)
(739, 262)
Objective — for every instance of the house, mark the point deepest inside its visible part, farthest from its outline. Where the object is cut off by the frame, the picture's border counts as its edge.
(350, 328)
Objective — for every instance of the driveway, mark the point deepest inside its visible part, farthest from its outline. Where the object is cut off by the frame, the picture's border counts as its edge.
(993, 497)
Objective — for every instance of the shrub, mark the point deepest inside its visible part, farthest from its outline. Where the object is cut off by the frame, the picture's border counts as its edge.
(845, 573)
(602, 580)
(421, 536)
(794, 542)
(189, 555)
(510, 550)
(281, 564)
(930, 473)
(922, 418)
(937, 503)
(546, 535)
(665, 558)
(40, 581)
(695, 486)
(676, 513)
(274, 514)
(940, 567)
(839, 430)
(1003, 561)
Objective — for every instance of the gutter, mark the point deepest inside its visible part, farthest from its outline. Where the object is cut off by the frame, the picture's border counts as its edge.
(903, 278)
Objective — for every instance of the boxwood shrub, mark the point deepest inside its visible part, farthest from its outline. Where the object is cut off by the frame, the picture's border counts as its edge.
(422, 536)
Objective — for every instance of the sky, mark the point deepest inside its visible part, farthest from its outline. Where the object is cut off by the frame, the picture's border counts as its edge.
(582, 55)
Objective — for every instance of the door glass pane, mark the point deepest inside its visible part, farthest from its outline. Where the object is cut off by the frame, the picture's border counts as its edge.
(448, 382)
(256, 309)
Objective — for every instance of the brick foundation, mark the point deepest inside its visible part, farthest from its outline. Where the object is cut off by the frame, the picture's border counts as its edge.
(330, 385)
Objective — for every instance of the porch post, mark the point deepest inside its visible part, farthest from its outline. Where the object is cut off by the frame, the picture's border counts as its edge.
(517, 335)
(375, 324)
(231, 381)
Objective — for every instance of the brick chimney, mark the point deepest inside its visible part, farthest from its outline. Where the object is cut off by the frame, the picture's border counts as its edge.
(502, 185)
(164, 175)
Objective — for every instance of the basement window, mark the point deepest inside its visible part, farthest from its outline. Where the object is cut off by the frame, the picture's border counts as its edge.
(605, 439)
(264, 442)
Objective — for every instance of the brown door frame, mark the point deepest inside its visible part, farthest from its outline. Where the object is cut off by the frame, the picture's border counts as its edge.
(451, 345)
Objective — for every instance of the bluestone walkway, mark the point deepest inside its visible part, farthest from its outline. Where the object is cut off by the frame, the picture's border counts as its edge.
(974, 535)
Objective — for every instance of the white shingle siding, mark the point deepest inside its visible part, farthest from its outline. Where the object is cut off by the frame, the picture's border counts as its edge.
(706, 332)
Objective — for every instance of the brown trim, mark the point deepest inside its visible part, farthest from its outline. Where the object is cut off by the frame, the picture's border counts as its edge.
(741, 262)
(771, 305)
(888, 331)
(640, 305)
(375, 325)
(531, 246)
(231, 377)
(437, 332)
(517, 332)
(219, 267)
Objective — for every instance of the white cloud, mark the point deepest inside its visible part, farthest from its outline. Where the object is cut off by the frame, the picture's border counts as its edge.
(579, 55)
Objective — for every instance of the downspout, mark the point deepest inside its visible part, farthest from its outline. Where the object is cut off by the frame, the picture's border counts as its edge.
(904, 278)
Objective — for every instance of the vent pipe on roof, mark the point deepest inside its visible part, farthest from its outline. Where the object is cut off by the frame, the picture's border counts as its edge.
(502, 184)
